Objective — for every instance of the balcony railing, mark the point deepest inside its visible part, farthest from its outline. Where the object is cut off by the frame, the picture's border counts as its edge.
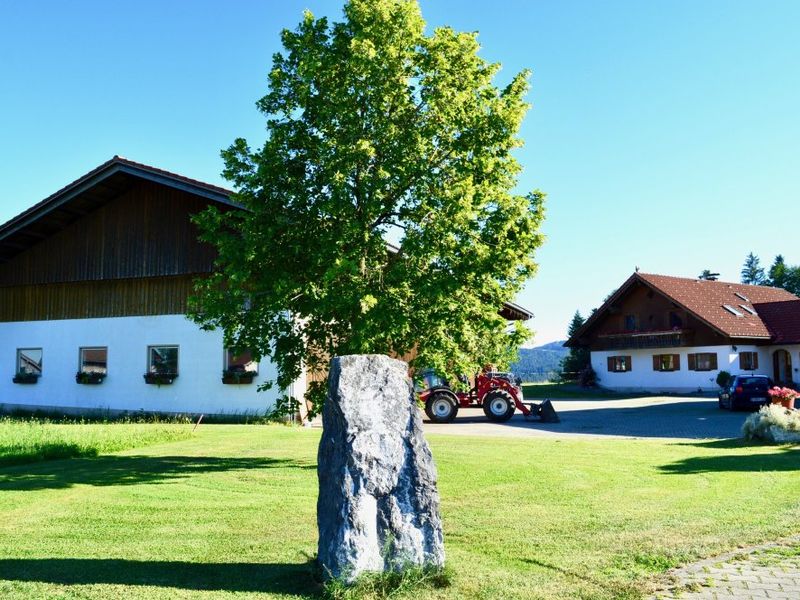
(645, 339)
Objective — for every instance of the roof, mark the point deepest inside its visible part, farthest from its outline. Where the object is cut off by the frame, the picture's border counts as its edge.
(86, 193)
(735, 310)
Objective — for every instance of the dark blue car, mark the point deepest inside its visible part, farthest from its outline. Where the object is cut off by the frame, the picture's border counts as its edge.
(745, 392)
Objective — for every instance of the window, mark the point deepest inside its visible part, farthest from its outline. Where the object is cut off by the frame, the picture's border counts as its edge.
(732, 310)
(630, 323)
(162, 360)
(666, 362)
(742, 296)
(29, 361)
(748, 361)
(241, 363)
(93, 360)
(619, 364)
(748, 309)
(703, 361)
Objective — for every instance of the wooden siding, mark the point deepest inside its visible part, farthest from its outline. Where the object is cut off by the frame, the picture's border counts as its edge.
(144, 232)
(83, 300)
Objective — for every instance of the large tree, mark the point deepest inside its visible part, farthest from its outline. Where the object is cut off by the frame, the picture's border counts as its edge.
(752, 271)
(375, 131)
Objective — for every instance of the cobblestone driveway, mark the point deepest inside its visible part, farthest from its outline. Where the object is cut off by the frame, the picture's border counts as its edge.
(770, 571)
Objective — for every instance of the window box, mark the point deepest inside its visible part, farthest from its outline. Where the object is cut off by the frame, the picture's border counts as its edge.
(160, 379)
(230, 376)
(89, 377)
(26, 378)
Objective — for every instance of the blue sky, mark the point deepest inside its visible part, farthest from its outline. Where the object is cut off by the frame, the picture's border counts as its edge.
(666, 134)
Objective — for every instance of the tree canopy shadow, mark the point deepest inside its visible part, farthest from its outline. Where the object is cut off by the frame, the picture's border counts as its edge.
(785, 458)
(128, 470)
(299, 579)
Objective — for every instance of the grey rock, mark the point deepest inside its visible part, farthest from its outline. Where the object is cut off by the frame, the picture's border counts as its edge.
(378, 506)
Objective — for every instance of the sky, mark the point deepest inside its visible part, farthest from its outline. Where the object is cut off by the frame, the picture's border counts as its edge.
(666, 135)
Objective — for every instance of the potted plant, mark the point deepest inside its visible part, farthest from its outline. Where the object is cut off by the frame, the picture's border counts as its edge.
(160, 378)
(784, 396)
(237, 376)
(89, 377)
(26, 377)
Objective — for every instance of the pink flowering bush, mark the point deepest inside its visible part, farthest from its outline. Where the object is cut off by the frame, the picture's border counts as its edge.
(783, 393)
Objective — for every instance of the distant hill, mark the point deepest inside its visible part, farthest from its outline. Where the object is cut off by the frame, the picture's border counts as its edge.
(541, 363)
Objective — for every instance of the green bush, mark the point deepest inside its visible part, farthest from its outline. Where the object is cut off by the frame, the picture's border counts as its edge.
(773, 423)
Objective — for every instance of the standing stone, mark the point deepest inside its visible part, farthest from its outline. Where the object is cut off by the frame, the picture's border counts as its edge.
(378, 507)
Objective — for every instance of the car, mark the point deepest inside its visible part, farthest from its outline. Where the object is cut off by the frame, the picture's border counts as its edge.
(745, 391)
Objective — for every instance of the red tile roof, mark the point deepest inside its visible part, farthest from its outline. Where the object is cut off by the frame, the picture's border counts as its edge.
(761, 312)
(706, 299)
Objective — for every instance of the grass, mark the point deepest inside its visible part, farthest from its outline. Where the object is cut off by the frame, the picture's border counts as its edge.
(571, 391)
(230, 513)
(33, 440)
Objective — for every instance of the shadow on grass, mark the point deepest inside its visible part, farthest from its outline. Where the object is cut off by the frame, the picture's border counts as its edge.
(287, 579)
(53, 451)
(128, 470)
(784, 458)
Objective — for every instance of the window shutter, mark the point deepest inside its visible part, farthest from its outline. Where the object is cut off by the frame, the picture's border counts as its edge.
(629, 363)
(692, 362)
(676, 362)
(656, 362)
(713, 357)
(755, 360)
(610, 360)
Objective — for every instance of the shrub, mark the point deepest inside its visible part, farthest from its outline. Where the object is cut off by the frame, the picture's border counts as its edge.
(773, 423)
(723, 379)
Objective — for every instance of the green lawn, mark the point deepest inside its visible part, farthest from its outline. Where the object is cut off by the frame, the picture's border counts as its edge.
(573, 391)
(31, 440)
(230, 513)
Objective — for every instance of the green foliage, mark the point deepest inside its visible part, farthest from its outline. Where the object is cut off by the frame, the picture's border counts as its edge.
(392, 584)
(784, 276)
(375, 129)
(752, 271)
(723, 379)
(578, 358)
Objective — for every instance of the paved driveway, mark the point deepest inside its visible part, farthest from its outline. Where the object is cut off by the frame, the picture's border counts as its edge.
(663, 417)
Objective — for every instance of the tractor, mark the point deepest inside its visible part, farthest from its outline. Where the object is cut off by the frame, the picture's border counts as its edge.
(498, 393)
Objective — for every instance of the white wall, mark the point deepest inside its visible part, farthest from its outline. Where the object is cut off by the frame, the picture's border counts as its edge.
(197, 389)
(642, 377)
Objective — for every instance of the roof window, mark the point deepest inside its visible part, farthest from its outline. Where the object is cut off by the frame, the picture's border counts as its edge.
(742, 296)
(748, 309)
(732, 310)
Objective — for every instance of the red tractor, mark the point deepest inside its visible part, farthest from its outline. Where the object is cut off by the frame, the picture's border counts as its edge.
(499, 394)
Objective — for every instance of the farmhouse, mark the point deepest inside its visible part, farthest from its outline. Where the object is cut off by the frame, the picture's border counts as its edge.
(94, 283)
(673, 334)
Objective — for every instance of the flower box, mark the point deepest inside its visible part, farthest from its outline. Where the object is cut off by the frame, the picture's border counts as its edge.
(26, 378)
(784, 396)
(160, 379)
(237, 377)
(89, 378)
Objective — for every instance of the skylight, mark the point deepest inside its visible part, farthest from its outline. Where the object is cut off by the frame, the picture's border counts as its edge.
(732, 310)
(742, 296)
(748, 309)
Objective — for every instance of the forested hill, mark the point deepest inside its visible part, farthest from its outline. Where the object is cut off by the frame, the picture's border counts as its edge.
(541, 363)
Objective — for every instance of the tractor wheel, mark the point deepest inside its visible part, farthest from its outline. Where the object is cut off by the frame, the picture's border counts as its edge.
(441, 408)
(498, 406)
